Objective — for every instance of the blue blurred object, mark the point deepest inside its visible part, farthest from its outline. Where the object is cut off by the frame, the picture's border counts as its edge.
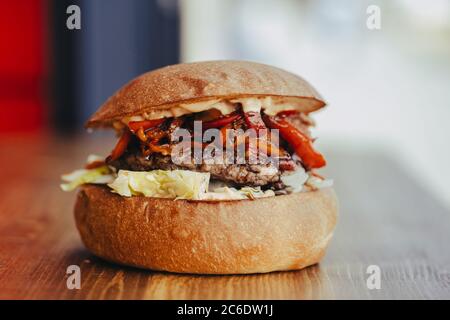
(118, 40)
(122, 39)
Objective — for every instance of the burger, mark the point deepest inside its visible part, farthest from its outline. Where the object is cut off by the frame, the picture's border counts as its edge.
(214, 172)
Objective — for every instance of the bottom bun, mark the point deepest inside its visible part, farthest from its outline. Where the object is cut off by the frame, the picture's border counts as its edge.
(285, 232)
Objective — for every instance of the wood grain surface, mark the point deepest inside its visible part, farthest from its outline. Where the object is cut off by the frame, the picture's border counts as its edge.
(386, 219)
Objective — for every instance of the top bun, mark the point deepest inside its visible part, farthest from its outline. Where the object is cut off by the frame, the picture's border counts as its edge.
(192, 82)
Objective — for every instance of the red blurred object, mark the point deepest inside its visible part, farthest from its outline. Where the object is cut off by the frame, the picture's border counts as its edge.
(23, 69)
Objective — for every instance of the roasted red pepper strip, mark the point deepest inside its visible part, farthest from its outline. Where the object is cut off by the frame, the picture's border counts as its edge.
(286, 113)
(94, 164)
(218, 123)
(253, 120)
(121, 146)
(301, 144)
(145, 124)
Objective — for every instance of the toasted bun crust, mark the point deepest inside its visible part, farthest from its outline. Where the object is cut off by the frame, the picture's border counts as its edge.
(192, 82)
(226, 237)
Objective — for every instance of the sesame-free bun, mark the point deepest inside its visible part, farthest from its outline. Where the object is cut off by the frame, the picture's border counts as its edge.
(187, 83)
(286, 232)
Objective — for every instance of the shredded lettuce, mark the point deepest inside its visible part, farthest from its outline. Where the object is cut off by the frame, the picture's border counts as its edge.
(252, 193)
(295, 180)
(228, 193)
(300, 178)
(176, 184)
(100, 175)
(318, 183)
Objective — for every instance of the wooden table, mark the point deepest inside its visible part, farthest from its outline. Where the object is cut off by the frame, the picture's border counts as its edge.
(386, 219)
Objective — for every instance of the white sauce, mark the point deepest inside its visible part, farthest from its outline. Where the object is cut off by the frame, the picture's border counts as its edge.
(270, 105)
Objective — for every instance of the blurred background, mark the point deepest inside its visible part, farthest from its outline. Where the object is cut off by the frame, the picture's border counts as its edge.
(388, 89)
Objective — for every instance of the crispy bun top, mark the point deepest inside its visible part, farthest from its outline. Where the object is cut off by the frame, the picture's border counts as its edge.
(192, 82)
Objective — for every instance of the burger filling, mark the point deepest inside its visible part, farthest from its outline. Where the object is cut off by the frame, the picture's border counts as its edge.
(148, 144)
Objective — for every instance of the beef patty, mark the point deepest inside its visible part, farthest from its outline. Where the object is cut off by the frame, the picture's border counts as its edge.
(237, 174)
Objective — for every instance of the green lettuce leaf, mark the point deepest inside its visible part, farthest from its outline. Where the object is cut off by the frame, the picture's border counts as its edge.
(100, 175)
(175, 184)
